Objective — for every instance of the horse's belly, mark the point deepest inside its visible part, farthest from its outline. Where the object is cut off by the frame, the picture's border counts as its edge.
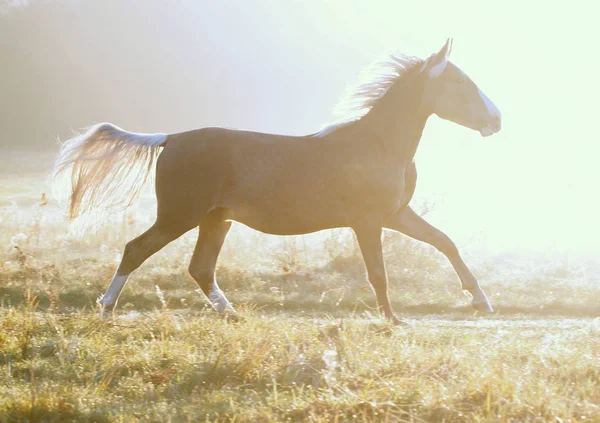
(289, 221)
(296, 203)
(295, 216)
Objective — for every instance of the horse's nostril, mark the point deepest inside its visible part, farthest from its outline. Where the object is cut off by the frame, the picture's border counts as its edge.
(497, 120)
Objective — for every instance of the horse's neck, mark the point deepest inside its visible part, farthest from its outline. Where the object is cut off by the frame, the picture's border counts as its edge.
(397, 131)
(398, 118)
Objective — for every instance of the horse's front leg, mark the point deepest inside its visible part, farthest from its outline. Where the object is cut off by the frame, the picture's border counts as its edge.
(410, 223)
(368, 234)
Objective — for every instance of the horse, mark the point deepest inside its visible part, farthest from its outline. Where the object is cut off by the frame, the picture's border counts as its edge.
(358, 173)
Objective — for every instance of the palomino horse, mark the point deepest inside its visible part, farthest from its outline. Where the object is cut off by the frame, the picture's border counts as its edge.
(358, 174)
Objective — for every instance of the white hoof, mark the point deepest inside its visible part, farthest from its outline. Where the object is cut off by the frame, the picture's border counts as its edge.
(105, 309)
(219, 301)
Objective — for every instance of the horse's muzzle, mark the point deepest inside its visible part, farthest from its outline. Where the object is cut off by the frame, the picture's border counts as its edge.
(492, 127)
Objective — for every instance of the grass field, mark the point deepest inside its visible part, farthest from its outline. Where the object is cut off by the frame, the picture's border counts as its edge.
(310, 346)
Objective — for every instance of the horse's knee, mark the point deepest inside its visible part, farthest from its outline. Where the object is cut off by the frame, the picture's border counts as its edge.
(378, 280)
(445, 245)
(378, 277)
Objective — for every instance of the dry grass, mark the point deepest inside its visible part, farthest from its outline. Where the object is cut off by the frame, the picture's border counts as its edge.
(310, 347)
(170, 365)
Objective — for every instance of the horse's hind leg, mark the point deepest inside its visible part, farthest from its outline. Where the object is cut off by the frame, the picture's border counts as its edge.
(213, 231)
(136, 252)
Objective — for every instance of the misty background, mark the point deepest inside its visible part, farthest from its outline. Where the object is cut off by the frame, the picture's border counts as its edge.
(275, 66)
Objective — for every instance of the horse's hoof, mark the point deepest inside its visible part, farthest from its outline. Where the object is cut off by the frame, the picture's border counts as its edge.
(105, 309)
(484, 307)
(399, 322)
(233, 317)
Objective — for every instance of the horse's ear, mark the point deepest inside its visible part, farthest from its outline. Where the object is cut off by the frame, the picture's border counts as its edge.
(436, 63)
(447, 49)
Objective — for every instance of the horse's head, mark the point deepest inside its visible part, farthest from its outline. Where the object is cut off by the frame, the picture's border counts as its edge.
(452, 95)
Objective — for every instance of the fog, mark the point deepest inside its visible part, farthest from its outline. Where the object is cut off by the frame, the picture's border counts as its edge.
(166, 66)
(273, 66)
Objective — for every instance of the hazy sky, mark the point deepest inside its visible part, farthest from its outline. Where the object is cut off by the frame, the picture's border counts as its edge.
(280, 66)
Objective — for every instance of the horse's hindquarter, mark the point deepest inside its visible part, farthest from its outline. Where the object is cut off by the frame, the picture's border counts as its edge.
(287, 185)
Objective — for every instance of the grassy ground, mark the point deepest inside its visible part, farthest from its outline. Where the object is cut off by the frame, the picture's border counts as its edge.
(170, 365)
(310, 346)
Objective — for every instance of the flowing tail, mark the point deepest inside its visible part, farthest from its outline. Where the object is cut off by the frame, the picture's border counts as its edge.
(105, 167)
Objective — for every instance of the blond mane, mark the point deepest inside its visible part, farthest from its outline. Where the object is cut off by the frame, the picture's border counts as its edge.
(372, 85)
